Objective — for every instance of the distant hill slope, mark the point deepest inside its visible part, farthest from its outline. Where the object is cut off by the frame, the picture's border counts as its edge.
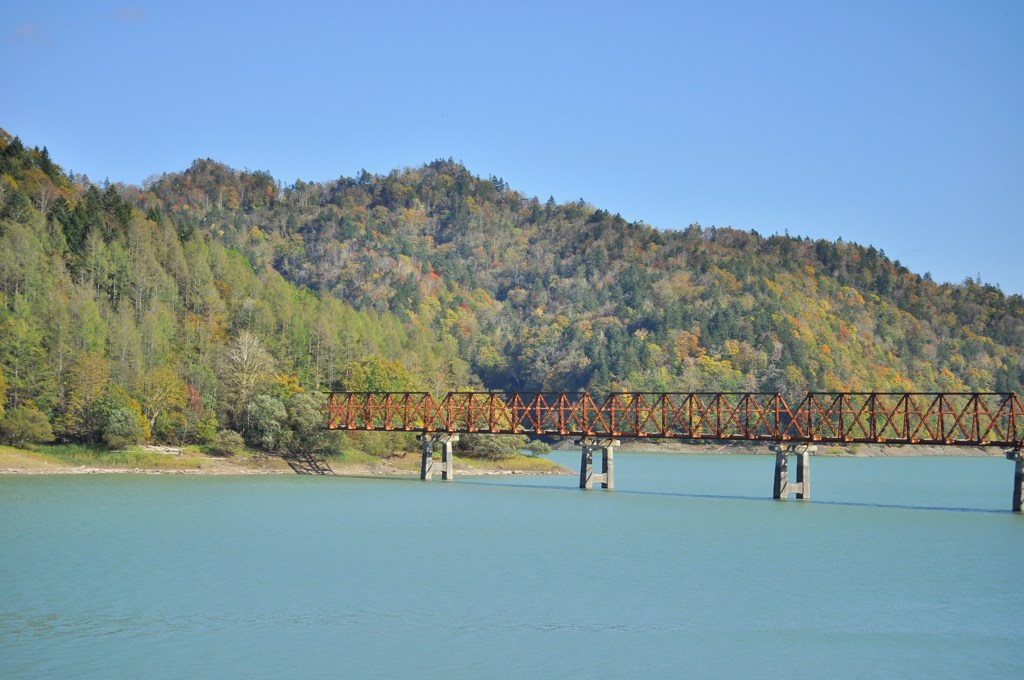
(201, 298)
(540, 295)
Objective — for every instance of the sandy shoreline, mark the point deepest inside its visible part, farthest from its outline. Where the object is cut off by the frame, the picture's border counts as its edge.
(339, 470)
(13, 462)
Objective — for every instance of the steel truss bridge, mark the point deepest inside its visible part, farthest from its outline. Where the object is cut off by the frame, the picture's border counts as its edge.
(911, 418)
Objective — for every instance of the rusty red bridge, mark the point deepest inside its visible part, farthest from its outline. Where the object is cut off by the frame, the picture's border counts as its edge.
(934, 419)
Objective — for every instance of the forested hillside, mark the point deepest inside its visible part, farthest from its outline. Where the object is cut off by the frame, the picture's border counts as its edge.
(210, 298)
(120, 324)
(540, 295)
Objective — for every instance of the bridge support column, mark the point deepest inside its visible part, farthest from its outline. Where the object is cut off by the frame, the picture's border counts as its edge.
(1018, 478)
(802, 486)
(607, 474)
(430, 442)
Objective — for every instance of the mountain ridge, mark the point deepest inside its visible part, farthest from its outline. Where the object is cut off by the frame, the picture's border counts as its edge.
(582, 262)
(434, 278)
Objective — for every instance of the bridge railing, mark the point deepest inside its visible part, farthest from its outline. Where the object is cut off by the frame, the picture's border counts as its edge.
(972, 418)
(516, 412)
(976, 418)
(410, 411)
(694, 415)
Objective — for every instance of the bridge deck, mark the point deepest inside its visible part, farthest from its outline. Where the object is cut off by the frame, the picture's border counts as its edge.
(962, 418)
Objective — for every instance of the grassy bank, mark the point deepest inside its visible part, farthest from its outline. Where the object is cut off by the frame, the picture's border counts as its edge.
(70, 458)
(519, 463)
(77, 455)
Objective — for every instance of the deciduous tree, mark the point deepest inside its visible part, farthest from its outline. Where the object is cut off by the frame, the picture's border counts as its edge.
(25, 425)
(161, 392)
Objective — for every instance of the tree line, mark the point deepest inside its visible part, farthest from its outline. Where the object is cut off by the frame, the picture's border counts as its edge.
(214, 301)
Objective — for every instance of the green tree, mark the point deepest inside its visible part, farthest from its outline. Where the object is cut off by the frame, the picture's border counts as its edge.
(161, 393)
(246, 370)
(199, 421)
(117, 399)
(305, 425)
(538, 448)
(87, 383)
(226, 443)
(21, 262)
(266, 418)
(24, 425)
(123, 428)
(23, 358)
(494, 447)
(374, 374)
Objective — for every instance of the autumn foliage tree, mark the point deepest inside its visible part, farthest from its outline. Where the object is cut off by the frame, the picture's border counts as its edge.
(190, 299)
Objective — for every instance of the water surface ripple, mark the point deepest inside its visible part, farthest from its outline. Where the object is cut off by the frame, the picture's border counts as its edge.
(897, 567)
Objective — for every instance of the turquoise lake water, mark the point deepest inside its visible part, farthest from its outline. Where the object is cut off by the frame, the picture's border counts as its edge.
(897, 567)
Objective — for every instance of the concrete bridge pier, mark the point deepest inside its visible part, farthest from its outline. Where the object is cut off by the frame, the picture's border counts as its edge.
(430, 442)
(1018, 477)
(607, 474)
(801, 487)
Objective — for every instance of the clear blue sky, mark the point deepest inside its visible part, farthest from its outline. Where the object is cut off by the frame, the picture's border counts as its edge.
(895, 124)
